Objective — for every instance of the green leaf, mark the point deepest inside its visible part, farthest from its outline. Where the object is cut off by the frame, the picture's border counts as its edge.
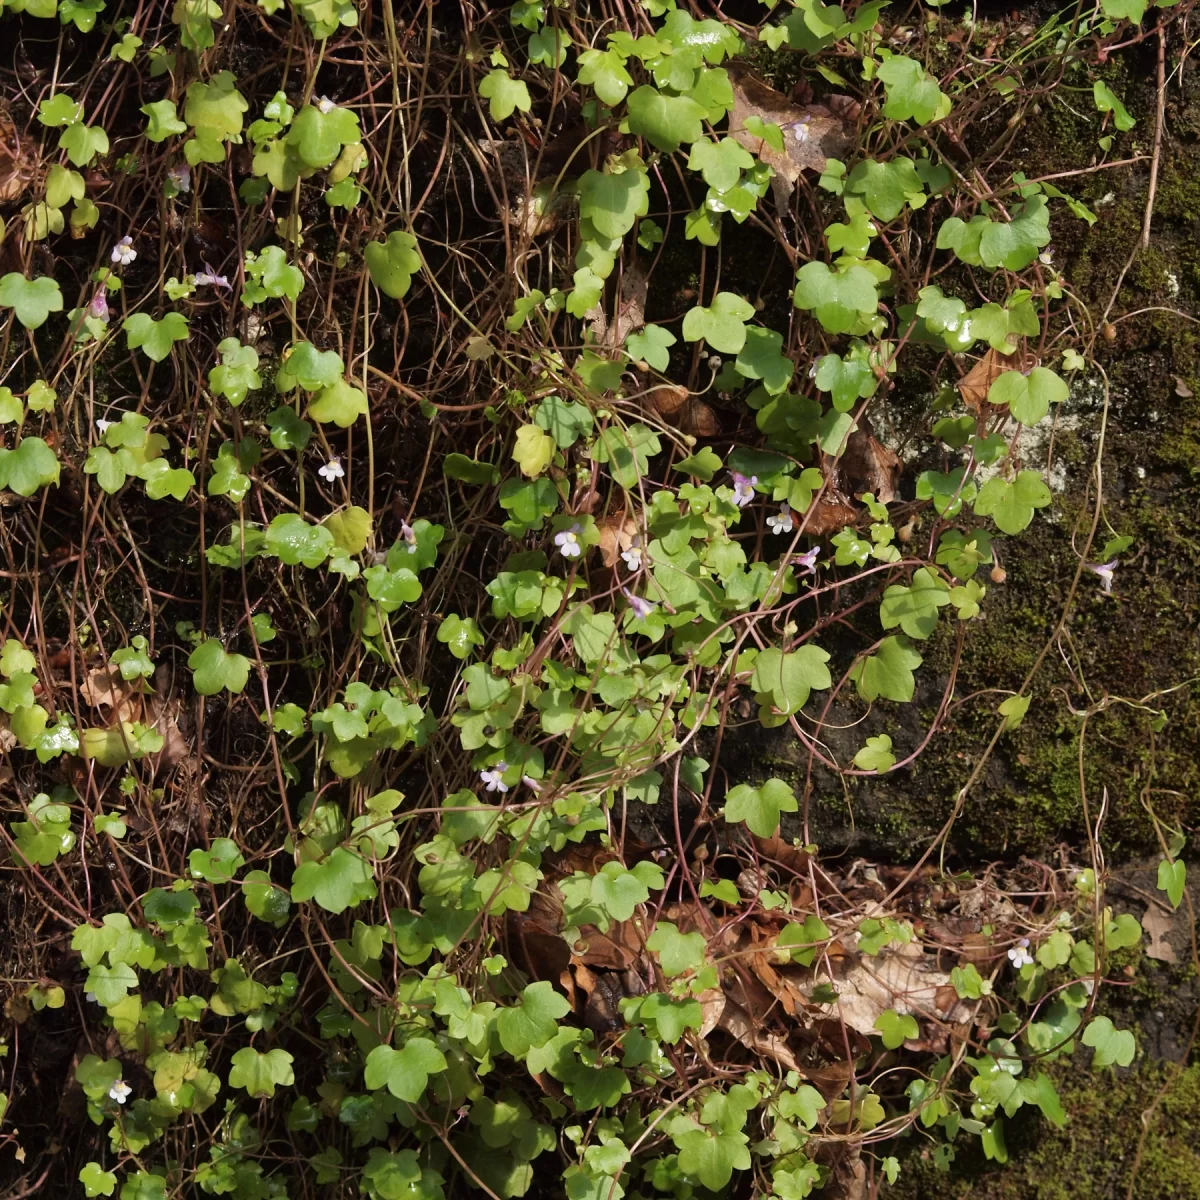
(1013, 710)
(914, 608)
(532, 1022)
(666, 121)
(110, 985)
(163, 122)
(566, 423)
(712, 1157)
(97, 1181)
(469, 470)
(33, 300)
(83, 142)
(784, 680)
(613, 201)
(30, 466)
(1108, 101)
(605, 71)
(504, 94)
(885, 188)
(58, 110)
(888, 673)
(294, 541)
(760, 807)
(1028, 397)
(722, 324)
(677, 952)
(1111, 1045)
(896, 1029)
(1010, 503)
(533, 450)
(218, 864)
(288, 431)
(321, 130)
(339, 404)
(652, 345)
(671, 1018)
(876, 755)
(762, 358)
(404, 1072)
(337, 883)
(307, 367)
(720, 163)
(460, 635)
(1172, 876)
(912, 94)
(214, 670)
(260, 1074)
(393, 263)
(155, 338)
(237, 374)
(841, 298)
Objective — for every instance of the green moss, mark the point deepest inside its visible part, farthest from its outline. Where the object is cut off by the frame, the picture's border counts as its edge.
(1092, 1158)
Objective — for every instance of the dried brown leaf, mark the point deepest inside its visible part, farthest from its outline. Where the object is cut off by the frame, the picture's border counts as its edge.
(812, 133)
(867, 465)
(974, 385)
(1159, 925)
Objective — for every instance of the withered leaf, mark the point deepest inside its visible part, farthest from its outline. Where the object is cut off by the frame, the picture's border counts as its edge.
(812, 133)
(867, 465)
(974, 385)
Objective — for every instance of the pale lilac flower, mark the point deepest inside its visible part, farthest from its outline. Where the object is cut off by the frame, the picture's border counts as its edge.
(782, 523)
(1019, 955)
(98, 305)
(90, 997)
(493, 780)
(642, 608)
(209, 277)
(743, 488)
(325, 105)
(123, 252)
(181, 177)
(812, 371)
(1105, 571)
(568, 542)
(332, 470)
(409, 536)
(120, 1091)
(1047, 256)
(807, 560)
(799, 129)
(103, 425)
(531, 783)
(633, 556)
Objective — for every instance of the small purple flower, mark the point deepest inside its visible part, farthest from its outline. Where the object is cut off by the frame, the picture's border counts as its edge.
(1019, 955)
(98, 305)
(642, 608)
(531, 783)
(493, 780)
(123, 252)
(120, 1091)
(633, 556)
(325, 105)
(568, 542)
(807, 560)
(181, 177)
(743, 488)
(409, 536)
(104, 426)
(782, 522)
(332, 470)
(209, 278)
(1105, 571)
